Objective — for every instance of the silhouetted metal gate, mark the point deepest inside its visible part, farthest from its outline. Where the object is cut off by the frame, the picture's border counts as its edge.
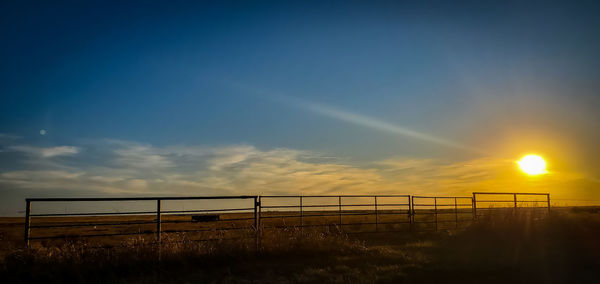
(499, 202)
(242, 217)
(440, 210)
(348, 213)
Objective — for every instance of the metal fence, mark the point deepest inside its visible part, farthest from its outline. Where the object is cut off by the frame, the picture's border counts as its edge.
(243, 217)
(351, 212)
(441, 210)
(493, 202)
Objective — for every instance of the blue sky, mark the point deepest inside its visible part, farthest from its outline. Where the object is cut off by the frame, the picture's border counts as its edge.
(180, 83)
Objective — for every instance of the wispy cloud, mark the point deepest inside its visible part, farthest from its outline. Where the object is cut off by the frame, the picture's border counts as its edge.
(142, 156)
(46, 152)
(130, 168)
(359, 119)
(381, 125)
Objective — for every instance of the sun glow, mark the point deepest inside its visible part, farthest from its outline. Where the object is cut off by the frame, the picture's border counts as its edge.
(533, 165)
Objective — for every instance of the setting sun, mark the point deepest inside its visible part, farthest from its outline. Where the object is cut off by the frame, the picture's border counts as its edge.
(532, 165)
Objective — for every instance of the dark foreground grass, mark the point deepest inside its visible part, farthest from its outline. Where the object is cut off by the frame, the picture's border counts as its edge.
(514, 248)
(510, 248)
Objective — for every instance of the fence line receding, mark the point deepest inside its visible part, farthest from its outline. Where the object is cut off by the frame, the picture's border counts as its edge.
(485, 202)
(206, 218)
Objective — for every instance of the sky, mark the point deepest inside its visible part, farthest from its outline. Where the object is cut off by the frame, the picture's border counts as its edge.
(147, 98)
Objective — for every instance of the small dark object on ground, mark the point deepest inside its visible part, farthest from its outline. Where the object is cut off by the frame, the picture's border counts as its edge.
(205, 218)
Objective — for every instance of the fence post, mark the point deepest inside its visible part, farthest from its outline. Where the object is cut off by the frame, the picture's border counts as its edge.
(260, 224)
(436, 214)
(256, 204)
(474, 206)
(158, 220)
(515, 199)
(301, 217)
(257, 230)
(456, 212)
(548, 198)
(27, 220)
(340, 206)
(376, 216)
(411, 210)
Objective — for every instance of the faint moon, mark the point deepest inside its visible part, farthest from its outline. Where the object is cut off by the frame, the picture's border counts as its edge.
(43, 132)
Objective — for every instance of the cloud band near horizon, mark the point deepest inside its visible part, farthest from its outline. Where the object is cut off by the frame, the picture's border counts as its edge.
(125, 168)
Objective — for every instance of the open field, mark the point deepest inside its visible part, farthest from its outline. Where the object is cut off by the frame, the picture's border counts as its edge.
(108, 221)
(498, 248)
(111, 230)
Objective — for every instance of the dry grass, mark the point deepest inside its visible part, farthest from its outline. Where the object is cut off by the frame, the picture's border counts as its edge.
(499, 249)
(140, 260)
(231, 225)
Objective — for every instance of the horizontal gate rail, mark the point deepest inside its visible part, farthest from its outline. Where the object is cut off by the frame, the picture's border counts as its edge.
(437, 209)
(515, 201)
(377, 209)
(143, 198)
(93, 235)
(157, 221)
